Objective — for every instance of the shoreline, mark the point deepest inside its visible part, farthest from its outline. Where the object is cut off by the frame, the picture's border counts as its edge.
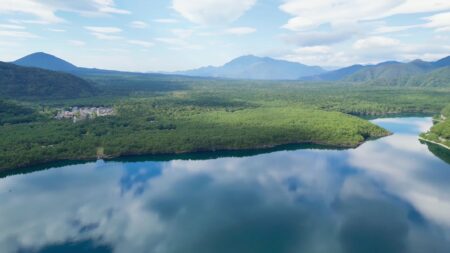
(433, 142)
(314, 145)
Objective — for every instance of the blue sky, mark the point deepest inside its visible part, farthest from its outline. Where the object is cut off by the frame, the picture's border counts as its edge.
(167, 35)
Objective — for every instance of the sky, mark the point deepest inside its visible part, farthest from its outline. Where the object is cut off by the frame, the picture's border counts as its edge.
(169, 35)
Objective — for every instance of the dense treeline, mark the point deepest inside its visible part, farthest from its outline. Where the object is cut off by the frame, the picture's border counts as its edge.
(13, 113)
(440, 132)
(188, 115)
(154, 127)
(33, 83)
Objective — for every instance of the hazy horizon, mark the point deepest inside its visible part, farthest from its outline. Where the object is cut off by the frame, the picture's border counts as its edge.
(164, 36)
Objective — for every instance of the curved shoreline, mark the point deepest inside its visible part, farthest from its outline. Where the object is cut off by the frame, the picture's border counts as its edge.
(433, 142)
(46, 164)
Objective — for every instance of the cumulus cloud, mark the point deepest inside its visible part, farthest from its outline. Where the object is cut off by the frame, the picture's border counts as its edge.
(320, 55)
(309, 15)
(208, 12)
(46, 10)
(375, 42)
(319, 38)
(334, 22)
(440, 22)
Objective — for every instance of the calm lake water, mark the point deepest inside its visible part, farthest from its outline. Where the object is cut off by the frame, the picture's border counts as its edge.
(388, 195)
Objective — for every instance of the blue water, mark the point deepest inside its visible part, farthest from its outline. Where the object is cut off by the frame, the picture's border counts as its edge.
(388, 195)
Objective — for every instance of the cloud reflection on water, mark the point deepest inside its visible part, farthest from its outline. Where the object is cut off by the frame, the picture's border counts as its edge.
(386, 196)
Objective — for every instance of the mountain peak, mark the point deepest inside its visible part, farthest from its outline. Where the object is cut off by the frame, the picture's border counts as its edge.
(45, 61)
(442, 62)
(246, 59)
(257, 68)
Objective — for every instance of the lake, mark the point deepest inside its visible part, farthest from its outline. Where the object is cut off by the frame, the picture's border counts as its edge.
(388, 195)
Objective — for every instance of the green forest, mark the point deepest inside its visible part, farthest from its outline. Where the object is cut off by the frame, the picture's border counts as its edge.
(440, 132)
(171, 115)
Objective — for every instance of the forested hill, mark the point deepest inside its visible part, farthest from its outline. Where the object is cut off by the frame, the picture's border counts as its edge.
(415, 73)
(440, 132)
(23, 82)
(436, 78)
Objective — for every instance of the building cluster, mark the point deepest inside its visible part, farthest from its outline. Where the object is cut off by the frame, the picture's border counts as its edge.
(82, 113)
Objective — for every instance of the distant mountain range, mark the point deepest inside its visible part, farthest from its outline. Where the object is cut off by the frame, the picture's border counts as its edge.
(50, 62)
(415, 73)
(37, 83)
(256, 68)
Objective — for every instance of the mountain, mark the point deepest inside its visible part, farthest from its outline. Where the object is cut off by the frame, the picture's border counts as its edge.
(334, 75)
(256, 68)
(389, 73)
(401, 74)
(444, 62)
(265, 68)
(46, 61)
(25, 82)
(414, 73)
(436, 78)
(50, 62)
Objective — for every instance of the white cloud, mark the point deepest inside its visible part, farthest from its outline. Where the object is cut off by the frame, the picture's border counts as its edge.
(311, 14)
(77, 43)
(35, 8)
(103, 36)
(319, 55)
(141, 43)
(17, 34)
(320, 38)
(240, 30)
(56, 30)
(139, 24)
(440, 22)
(166, 21)
(103, 29)
(208, 12)
(313, 50)
(419, 6)
(15, 31)
(104, 32)
(46, 10)
(12, 27)
(394, 29)
(375, 42)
